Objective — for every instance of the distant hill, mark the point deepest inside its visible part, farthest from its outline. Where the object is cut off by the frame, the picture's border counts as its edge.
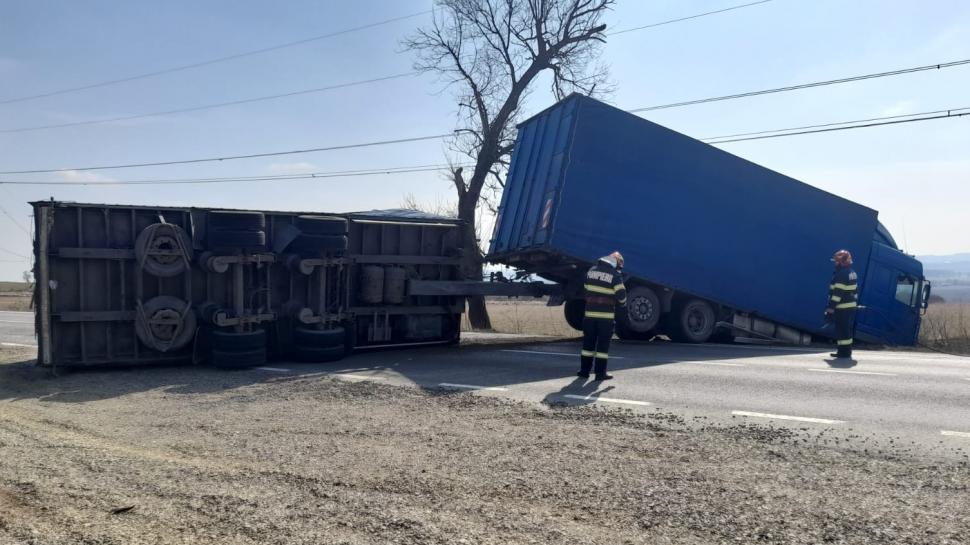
(946, 267)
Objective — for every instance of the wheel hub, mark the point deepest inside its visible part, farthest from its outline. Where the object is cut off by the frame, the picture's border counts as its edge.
(641, 309)
(164, 249)
(164, 324)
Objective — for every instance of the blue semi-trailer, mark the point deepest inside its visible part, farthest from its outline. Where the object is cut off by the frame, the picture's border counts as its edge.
(715, 245)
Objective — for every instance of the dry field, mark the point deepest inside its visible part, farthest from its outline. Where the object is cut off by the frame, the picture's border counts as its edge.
(946, 326)
(526, 316)
(14, 296)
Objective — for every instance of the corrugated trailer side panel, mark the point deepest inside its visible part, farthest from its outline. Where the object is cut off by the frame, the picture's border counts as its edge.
(695, 218)
(538, 167)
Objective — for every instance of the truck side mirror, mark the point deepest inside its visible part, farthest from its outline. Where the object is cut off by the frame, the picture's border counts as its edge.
(925, 303)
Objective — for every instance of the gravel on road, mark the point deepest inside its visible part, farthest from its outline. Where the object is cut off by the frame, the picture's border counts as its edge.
(194, 455)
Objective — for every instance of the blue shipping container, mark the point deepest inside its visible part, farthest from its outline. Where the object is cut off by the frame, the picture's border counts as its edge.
(587, 178)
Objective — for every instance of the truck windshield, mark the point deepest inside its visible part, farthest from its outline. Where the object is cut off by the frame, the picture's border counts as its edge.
(906, 290)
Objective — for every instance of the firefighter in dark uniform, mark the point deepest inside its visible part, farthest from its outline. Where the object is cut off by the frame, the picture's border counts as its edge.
(604, 290)
(843, 302)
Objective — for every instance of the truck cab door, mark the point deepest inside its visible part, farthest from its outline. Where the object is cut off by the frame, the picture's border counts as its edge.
(891, 299)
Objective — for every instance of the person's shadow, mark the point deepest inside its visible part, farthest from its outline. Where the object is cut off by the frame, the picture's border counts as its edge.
(841, 363)
(581, 391)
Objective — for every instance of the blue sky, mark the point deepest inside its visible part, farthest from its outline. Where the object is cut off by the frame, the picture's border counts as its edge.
(917, 175)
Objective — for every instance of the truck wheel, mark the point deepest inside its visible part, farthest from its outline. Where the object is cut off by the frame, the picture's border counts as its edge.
(320, 337)
(232, 350)
(319, 244)
(641, 314)
(691, 321)
(235, 240)
(235, 220)
(321, 225)
(574, 309)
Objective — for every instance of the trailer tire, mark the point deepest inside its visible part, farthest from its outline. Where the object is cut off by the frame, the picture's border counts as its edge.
(691, 321)
(234, 240)
(229, 341)
(320, 338)
(321, 225)
(234, 220)
(238, 359)
(167, 237)
(319, 244)
(573, 310)
(316, 354)
(642, 313)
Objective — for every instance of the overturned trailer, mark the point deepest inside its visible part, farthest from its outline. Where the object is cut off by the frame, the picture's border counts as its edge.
(134, 285)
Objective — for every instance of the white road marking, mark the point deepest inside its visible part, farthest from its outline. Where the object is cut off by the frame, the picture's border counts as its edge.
(358, 377)
(472, 387)
(955, 433)
(19, 345)
(16, 322)
(555, 353)
(273, 369)
(786, 417)
(716, 363)
(607, 399)
(848, 372)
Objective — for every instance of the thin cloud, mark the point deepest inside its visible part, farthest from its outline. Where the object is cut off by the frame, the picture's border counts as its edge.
(74, 176)
(902, 107)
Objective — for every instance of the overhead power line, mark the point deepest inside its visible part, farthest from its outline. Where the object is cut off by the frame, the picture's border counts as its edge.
(233, 157)
(211, 106)
(774, 133)
(960, 112)
(235, 179)
(661, 23)
(902, 71)
(11, 252)
(901, 116)
(213, 61)
(805, 85)
(432, 137)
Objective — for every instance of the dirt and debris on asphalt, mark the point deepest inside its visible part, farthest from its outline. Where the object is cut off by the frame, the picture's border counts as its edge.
(192, 455)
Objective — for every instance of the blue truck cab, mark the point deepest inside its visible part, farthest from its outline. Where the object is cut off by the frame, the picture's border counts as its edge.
(715, 245)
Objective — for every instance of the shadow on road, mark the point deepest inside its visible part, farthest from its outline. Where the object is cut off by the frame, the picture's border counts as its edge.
(842, 363)
(479, 365)
(581, 391)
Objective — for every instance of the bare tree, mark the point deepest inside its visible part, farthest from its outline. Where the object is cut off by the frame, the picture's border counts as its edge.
(490, 52)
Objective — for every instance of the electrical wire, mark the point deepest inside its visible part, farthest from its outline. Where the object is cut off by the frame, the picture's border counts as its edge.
(661, 23)
(234, 157)
(233, 179)
(11, 252)
(832, 124)
(215, 60)
(804, 86)
(210, 106)
(832, 129)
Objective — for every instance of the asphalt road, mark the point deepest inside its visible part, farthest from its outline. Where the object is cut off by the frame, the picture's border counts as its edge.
(17, 328)
(914, 399)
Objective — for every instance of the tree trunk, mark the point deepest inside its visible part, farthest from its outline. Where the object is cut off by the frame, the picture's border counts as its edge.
(472, 263)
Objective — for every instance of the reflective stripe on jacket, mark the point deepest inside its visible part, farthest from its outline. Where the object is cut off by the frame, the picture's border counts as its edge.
(844, 289)
(604, 290)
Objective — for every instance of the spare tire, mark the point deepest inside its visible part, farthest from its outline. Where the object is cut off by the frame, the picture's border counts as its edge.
(162, 248)
(321, 225)
(163, 323)
(235, 220)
